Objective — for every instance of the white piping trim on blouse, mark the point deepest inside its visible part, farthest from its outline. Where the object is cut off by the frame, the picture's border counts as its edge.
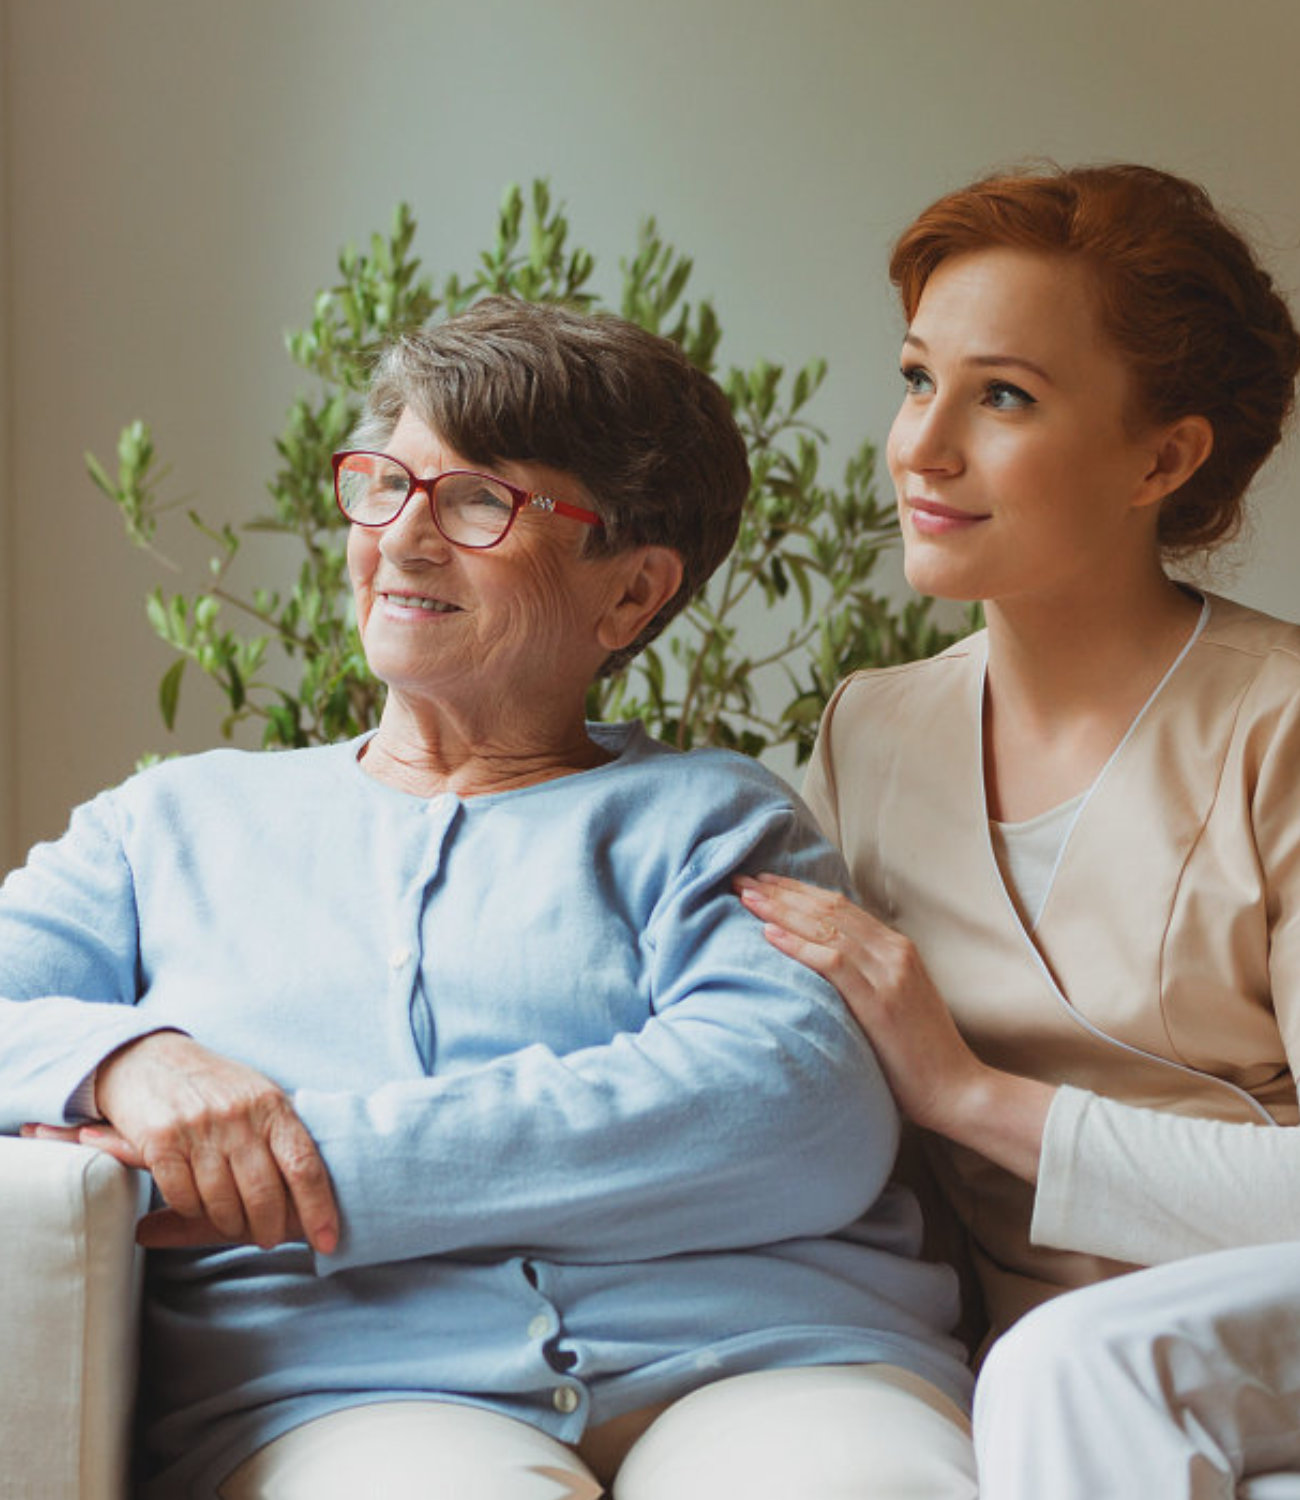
(1063, 999)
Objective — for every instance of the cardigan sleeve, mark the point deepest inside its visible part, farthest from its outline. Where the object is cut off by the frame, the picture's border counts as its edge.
(747, 1110)
(68, 968)
(1146, 1186)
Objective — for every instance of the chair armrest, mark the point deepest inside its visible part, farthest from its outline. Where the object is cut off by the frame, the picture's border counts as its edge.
(69, 1303)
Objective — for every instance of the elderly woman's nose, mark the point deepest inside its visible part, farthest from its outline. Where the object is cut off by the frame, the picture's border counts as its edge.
(412, 531)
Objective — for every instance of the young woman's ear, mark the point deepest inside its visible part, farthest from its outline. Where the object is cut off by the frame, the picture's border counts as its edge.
(1179, 451)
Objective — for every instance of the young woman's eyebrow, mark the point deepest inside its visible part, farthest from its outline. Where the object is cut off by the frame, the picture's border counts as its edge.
(984, 361)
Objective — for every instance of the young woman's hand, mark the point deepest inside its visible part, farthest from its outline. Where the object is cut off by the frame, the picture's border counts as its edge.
(936, 1078)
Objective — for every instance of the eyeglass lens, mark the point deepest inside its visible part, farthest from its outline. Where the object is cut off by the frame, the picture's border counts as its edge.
(472, 510)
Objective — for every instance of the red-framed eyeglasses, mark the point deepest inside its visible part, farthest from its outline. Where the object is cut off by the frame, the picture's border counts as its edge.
(470, 509)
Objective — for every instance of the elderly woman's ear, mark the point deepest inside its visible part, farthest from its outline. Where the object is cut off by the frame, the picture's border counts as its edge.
(650, 577)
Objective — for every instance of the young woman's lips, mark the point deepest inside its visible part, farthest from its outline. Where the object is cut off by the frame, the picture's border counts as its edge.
(930, 518)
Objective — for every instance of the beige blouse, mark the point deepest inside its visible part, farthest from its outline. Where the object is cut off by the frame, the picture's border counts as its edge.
(1164, 970)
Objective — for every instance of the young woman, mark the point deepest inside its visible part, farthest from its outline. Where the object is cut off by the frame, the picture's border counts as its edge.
(1077, 833)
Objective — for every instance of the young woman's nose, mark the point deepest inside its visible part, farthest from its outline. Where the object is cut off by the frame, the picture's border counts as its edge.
(926, 438)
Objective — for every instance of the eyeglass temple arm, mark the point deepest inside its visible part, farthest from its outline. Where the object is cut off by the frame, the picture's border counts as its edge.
(563, 508)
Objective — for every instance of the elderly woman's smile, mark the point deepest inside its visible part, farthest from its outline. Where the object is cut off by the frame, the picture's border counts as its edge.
(418, 602)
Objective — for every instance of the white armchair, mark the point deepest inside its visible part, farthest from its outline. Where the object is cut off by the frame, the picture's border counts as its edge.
(69, 1292)
(69, 1301)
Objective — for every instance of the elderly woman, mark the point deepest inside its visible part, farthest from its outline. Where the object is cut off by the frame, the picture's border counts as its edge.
(1078, 832)
(485, 1124)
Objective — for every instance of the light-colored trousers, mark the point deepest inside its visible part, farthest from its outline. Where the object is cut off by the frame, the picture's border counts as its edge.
(837, 1432)
(1180, 1383)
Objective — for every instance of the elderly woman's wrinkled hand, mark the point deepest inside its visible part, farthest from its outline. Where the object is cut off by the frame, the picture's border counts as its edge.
(230, 1157)
(881, 978)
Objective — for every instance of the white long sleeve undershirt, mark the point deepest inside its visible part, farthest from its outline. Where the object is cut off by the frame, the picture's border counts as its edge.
(1146, 1186)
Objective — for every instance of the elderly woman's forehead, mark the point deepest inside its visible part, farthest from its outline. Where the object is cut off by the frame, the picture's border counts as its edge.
(415, 430)
(422, 447)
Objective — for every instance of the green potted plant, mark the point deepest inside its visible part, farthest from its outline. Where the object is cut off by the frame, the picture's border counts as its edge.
(286, 652)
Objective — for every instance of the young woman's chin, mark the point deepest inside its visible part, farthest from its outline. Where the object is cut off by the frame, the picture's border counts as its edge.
(939, 578)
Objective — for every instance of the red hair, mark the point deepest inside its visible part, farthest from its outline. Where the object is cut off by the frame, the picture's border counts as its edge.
(1180, 295)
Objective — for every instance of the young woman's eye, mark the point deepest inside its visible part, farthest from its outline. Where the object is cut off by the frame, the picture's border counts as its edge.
(1001, 395)
(917, 380)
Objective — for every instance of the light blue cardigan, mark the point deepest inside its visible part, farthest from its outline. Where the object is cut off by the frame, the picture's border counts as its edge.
(593, 1139)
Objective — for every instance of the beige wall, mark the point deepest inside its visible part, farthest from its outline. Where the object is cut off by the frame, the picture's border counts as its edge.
(8, 775)
(178, 177)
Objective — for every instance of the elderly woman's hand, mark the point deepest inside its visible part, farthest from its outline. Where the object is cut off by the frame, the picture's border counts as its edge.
(222, 1142)
(936, 1078)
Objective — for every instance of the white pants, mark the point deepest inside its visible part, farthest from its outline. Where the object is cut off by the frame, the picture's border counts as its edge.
(840, 1432)
(1179, 1382)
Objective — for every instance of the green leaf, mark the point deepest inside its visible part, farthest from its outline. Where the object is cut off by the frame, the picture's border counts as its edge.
(169, 692)
(100, 476)
(156, 611)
